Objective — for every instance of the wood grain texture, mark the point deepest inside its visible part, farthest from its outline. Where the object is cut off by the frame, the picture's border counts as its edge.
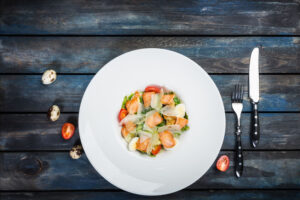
(193, 195)
(22, 132)
(152, 17)
(27, 94)
(89, 54)
(26, 132)
(35, 158)
(57, 171)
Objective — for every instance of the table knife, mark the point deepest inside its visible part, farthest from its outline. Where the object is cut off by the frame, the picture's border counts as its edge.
(254, 96)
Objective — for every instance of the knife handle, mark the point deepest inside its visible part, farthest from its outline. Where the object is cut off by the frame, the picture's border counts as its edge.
(239, 163)
(255, 132)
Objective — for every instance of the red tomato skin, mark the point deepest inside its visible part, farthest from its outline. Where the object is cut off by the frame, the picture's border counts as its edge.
(67, 131)
(153, 88)
(223, 163)
(156, 150)
(122, 114)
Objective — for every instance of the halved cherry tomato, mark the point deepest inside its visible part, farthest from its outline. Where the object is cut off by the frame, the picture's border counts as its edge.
(67, 130)
(153, 88)
(223, 163)
(122, 114)
(156, 150)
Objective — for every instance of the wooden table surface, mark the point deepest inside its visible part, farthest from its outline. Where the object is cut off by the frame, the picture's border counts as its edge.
(77, 38)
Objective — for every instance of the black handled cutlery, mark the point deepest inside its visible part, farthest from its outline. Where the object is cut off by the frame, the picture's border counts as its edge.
(254, 96)
(237, 106)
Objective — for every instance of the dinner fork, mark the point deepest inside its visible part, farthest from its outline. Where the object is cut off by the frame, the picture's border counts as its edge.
(237, 106)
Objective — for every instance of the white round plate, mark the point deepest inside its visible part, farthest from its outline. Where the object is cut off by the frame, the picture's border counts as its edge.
(169, 171)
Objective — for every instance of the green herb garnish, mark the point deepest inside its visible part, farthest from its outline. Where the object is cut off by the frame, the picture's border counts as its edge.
(139, 127)
(124, 102)
(186, 116)
(141, 100)
(185, 128)
(147, 110)
(163, 123)
(171, 92)
(148, 131)
(176, 101)
(177, 135)
(130, 96)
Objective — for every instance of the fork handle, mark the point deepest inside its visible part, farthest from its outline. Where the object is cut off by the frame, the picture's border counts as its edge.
(238, 153)
(255, 132)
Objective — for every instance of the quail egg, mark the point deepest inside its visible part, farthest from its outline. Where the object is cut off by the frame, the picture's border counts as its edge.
(54, 113)
(76, 152)
(48, 77)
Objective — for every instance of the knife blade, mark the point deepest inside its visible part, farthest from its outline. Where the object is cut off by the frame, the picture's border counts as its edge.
(254, 96)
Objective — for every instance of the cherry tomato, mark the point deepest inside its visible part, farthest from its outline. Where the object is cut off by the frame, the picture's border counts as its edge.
(223, 163)
(122, 114)
(156, 150)
(67, 130)
(153, 88)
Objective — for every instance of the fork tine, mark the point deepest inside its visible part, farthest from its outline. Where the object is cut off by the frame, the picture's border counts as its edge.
(235, 92)
(239, 93)
(242, 93)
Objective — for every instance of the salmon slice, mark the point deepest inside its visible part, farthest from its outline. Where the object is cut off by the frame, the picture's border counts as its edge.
(154, 120)
(124, 131)
(147, 98)
(181, 122)
(142, 146)
(130, 126)
(127, 128)
(167, 139)
(132, 105)
(167, 99)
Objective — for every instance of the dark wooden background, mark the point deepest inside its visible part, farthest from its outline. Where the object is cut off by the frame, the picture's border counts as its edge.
(76, 38)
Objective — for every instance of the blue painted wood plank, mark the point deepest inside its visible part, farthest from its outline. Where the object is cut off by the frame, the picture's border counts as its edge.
(192, 195)
(57, 171)
(25, 93)
(89, 54)
(152, 17)
(23, 132)
(277, 92)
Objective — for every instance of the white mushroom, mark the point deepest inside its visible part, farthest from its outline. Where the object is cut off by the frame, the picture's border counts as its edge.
(76, 152)
(54, 113)
(49, 77)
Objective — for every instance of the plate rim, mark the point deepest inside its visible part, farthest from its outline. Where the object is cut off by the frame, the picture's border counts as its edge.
(85, 146)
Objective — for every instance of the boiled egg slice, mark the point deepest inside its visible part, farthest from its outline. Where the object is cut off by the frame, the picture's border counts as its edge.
(132, 144)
